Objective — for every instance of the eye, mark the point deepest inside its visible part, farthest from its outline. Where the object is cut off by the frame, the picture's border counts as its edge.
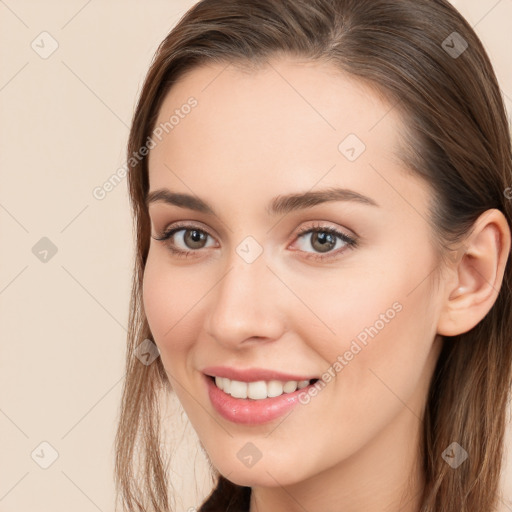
(324, 239)
(192, 239)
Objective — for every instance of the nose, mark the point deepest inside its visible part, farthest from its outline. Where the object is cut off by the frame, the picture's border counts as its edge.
(247, 305)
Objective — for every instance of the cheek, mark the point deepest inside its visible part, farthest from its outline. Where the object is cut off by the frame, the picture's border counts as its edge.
(390, 342)
(168, 297)
(377, 360)
(380, 324)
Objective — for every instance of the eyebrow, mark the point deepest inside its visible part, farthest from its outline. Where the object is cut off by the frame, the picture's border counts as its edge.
(279, 205)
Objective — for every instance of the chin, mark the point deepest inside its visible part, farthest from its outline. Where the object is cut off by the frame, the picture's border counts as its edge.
(261, 475)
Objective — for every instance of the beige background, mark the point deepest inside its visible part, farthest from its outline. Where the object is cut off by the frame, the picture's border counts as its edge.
(64, 124)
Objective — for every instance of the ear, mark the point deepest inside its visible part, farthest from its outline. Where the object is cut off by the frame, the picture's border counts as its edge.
(476, 274)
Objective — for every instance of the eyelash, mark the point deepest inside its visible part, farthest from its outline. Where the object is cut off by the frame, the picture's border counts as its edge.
(349, 241)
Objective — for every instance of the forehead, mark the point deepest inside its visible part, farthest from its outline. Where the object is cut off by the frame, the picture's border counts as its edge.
(286, 122)
(296, 100)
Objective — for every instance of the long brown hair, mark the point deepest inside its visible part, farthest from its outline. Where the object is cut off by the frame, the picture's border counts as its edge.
(425, 58)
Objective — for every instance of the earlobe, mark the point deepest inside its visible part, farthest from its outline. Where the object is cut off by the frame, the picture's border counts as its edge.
(476, 275)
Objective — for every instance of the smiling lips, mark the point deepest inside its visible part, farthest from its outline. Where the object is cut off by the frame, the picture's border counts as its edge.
(253, 396)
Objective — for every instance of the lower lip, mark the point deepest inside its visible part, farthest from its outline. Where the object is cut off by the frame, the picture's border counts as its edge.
(248, 411)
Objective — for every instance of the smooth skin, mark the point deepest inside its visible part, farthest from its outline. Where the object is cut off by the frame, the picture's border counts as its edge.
(273, 131)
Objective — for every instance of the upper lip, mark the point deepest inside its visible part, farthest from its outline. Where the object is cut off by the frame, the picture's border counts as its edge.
(252, 374)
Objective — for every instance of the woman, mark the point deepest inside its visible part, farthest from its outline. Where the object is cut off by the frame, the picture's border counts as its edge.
(323, 230)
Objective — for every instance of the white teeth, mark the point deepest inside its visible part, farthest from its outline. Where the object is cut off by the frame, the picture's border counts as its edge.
(290, 386)
(258, 390)
(226, 384)
(238, 389)
(274, 388)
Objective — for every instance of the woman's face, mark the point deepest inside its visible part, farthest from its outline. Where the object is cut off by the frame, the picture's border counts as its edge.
(277, 280)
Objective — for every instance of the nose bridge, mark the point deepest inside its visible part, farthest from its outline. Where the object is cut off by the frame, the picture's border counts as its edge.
(245, 303)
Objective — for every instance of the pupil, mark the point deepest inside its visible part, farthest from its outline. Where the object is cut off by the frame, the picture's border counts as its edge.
(194, 237)
(326, 241)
